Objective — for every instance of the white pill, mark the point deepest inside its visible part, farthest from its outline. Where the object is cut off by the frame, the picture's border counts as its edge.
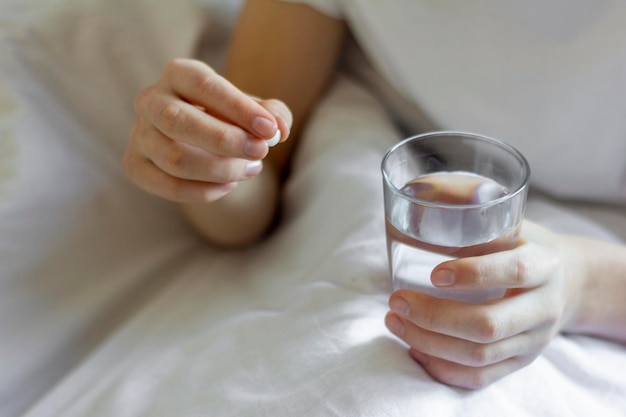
(274, 141)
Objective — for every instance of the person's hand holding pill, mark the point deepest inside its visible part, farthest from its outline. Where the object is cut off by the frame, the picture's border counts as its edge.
(196, 136)
(202, 139)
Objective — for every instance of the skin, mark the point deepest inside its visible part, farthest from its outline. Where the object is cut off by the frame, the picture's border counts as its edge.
(553, 284)
(196, 133)
(198, 141)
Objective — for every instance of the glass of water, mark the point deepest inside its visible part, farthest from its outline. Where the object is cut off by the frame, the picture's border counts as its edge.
(450, 195)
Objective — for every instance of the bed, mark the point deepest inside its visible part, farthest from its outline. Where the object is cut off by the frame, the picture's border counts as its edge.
(110, 305)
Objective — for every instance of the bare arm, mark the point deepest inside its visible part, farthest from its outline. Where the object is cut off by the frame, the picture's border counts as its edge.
(553, 283)
(602, 305)
(283, 51)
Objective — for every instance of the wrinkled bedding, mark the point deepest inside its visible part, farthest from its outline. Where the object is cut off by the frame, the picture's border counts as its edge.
(111, 306)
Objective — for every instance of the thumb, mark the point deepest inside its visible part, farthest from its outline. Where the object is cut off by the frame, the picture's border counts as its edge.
(283, 116)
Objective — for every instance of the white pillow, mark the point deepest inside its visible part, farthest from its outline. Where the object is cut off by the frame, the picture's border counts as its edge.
(96, 54)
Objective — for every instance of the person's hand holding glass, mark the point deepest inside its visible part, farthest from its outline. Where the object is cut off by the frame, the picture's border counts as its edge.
(478, 294)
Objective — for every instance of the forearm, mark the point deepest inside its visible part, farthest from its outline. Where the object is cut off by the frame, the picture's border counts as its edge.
(288, 52)
(280, 51)
(240, 218)
(602, 306)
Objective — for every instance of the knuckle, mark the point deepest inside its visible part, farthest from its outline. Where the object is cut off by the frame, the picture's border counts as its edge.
(175, 160)
(477, 272)
(520, 271)
(222, 139)
(488, 328)
(207, 83)
(427, 319)
(425, 316)
(170, 116)
(480, 355)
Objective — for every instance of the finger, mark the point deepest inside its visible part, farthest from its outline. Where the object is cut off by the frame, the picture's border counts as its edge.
(526, 266)
(155, 181)
(191, 163)
(282, 114)
(460, 350)
(199, 84)
(468, 377)
(481, 323)
(188, 124)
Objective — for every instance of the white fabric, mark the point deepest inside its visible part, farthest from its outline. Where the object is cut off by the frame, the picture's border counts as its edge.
(80, 249)
(223, 11)
(110, 306)
(545, 76)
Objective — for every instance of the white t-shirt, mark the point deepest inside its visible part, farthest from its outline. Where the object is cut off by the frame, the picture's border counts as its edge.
(548, 77)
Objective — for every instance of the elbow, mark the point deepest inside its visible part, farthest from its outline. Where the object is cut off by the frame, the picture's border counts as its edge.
(242, 218)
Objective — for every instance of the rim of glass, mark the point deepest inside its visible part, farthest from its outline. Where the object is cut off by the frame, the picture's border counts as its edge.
(518, 155)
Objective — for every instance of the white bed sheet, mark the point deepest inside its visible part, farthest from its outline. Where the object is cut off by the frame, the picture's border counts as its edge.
(109, 305)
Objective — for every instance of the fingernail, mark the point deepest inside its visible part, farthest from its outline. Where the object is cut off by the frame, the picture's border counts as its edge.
(211, 195)
(443, 278)
(395, 325)
(400, 306)
(264, 127)
(419, 356)
(253, 168)
(274, 140)
(255, 148)
(229, 186)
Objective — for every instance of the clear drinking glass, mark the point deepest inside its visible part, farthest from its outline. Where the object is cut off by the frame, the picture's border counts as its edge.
(449, 195)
